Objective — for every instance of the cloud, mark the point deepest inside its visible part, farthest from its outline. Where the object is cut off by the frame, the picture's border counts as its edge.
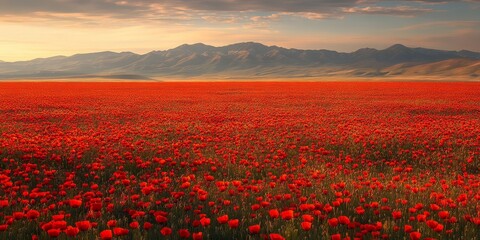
(221, 19)
(318, 6)
(125, 9)
(318, 16)
(118, 8)
(249, 13)
(396, 11)
(271, 17)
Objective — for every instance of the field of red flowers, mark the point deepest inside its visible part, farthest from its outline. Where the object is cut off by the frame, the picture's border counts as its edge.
(240, 160)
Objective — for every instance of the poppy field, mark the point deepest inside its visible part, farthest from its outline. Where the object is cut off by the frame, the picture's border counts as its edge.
(240, 160)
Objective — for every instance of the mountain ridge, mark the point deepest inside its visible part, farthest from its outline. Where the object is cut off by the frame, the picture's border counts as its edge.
(251, 59)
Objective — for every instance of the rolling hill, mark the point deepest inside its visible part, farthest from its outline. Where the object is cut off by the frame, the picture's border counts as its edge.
(251, 60)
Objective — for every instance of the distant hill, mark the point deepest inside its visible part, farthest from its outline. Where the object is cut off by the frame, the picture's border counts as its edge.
(251, 60)
(451, 67)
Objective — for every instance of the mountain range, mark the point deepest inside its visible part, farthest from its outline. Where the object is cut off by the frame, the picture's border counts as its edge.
(251, 60)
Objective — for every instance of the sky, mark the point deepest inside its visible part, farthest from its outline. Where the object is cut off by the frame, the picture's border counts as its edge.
(42, 28)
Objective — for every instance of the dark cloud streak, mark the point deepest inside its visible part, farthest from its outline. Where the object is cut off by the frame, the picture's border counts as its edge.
(66, 6)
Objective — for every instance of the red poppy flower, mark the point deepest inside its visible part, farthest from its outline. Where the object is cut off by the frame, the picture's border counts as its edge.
(222, 219)
(3, 227)
(197, 236)
(96, 206)
(274, 213)
(106, 235)
(276, 236)
(47, 226)
(83, 225)
(58, 217)
(59, 224)
(147, 225)
(397, 214)
(415, 236)
(444, 214)
(434, 207)
(205, 221)
(287, 215)
(336, 236)
(74, 203)
(18, 215)
(438, 228)
(54, 232)
(333, 222)
(307, 218)
(202, 197)
(254, 229)
(33, 214)
(432, 224)
(344, 220)
(112, 223)
(184, 233)
(134, 225)
(120, 231)
(165, 231)
(360, 210)
(72, 231)
(421, 218)
(160, 219)
(306, 226)
(233, 223)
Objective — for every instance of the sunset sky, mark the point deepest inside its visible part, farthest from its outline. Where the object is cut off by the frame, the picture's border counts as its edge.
(42, 28)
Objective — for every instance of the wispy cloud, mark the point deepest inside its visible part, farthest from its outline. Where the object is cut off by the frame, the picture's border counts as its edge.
(271, 17)
(221, 19)
(395, 11)
(318, 16)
